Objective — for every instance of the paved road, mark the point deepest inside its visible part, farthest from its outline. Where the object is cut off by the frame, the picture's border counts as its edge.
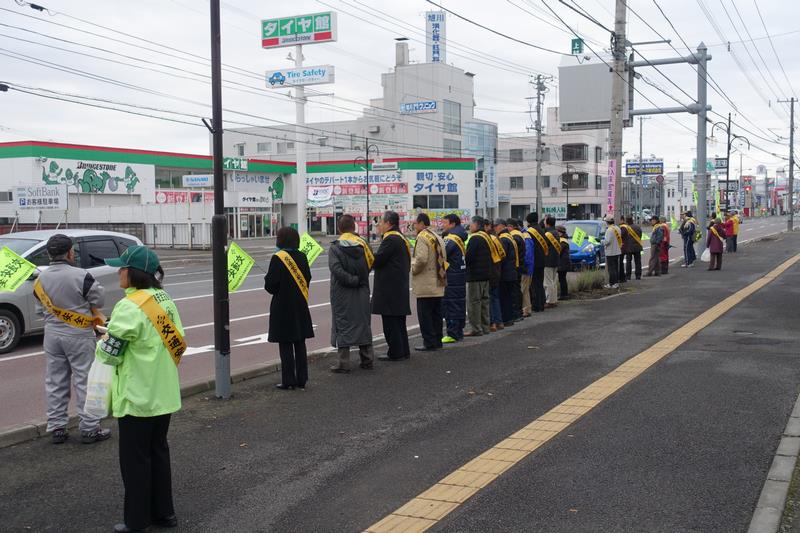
(188, 280)
(685, 446)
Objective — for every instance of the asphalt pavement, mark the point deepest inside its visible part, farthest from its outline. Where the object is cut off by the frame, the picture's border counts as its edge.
(684, 447)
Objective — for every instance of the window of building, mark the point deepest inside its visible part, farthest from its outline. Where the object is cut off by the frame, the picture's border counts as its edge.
(515, 155)
(598, 182)
(598, 154)
(575, 180)
(575, 152)
(6, 196)
(323, 141)
(452, 148)
(546, 153)
(239, 149)
(98, 250)
(264, 148)
(545, 181)
(281, 148)
(436, 201)
(420, 202)
(290, 146)
(452, 117)
(516, 182)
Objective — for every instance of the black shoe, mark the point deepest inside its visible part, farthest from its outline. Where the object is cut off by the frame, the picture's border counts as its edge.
(339, 370)
(96, 435)
(507, 324)
(123, 528)
(425, 348)
(393, 359)
(60, 435)
(281, 386)
(167, 521)
(365, 366)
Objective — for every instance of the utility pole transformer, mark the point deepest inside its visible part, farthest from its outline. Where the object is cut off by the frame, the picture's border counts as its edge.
(618, 81)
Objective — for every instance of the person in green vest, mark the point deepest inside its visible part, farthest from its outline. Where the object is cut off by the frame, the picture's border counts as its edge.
(144, 343)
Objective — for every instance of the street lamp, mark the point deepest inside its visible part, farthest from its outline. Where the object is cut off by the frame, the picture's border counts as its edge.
(363, 162)
(731, 138)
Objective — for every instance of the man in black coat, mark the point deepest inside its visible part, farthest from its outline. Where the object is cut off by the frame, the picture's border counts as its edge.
(540, 251)
(479, 270)
(390, 297)
(508, 272)
(632, 244)
(455, 294)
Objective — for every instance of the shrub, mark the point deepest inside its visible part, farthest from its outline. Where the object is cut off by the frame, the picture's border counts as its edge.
(588, 280)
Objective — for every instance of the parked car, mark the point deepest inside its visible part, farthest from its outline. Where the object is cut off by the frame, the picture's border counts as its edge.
(590, 253)
(18, 310)
(277, 79)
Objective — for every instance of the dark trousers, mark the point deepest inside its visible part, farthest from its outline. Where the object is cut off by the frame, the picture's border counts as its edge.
(495, 307)
(562, 285)
(145, 466)
(507, 300)
(665, 267)
(622, 277)
(537, 289)
(294, 363)
(517, 299)
(455, 328)
(429, 314)
(729, 246)
(396, 335)
(612, 266)
(716, 262)
(633, 264)
(735, 243)
(689, 255)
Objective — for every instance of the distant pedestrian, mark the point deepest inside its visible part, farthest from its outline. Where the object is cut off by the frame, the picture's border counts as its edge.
(428, 281)
(551, 262)
(564, 263)
(633, 248)
(688, 230)
(508, 272)
(454, 303)
(612, 242)
(729, 235)
(622, 277)
(144, 343)
(656, 237)
(495, 305)
(663, 256)
(540, 252)
(287, 280)
(737, 220)
(480, 259)
(70, 299)
(390, 297)
(714, 242)
(349, 260)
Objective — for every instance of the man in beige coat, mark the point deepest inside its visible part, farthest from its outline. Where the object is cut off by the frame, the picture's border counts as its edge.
(428, 280)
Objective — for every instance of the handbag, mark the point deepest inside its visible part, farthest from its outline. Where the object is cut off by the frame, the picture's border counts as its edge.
(98, 390)
(706, 256)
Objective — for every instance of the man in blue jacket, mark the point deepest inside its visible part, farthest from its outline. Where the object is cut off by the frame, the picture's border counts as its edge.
(455, 293)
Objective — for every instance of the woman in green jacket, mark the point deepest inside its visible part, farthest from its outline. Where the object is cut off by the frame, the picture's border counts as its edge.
(144, 343)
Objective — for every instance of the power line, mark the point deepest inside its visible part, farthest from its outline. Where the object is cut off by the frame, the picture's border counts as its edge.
(774, 51)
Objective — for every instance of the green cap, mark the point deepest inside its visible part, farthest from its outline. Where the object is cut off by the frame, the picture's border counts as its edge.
(138, 257)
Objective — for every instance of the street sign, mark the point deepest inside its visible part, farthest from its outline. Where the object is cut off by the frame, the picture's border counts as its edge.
(709, 165)
(660, 179)
(45, 197)
(425, 106)
(732, 185)
(650, 167)
(303, 29)
(557, 211)
(234, 163)
(577, 47)
(198, 180)
(293, 77)
(435, 36)
(720, 163)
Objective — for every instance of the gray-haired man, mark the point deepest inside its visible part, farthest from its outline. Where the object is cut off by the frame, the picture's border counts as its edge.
(70, 299)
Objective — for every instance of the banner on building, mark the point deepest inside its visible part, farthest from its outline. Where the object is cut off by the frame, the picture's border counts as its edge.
(557, 211)
(45, 197)
(435, 36)
(100, 177)
(163, 196)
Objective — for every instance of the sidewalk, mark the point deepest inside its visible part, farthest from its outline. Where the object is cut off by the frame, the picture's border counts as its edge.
(350, 449)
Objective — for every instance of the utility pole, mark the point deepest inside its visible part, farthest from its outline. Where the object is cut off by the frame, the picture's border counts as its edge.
(619, 77)
(790, 223)
(363, 162)
(702, 176)
(219, 222)
(540, 89)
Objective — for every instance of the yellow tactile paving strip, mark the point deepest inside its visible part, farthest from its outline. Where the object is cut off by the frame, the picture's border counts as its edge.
(424, 511)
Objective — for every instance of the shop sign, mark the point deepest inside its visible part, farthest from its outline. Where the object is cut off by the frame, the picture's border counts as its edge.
(198, 180)
(99, 177)
(295, 77)
(557, 211)
(650, 167)
(234, 163)
(435, 183)
(425, 106)
(183, 197)
(303, 29)
(435, 36)
(45, 197)
(255, 200)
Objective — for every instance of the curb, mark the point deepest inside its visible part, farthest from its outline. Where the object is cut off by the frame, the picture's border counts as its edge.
(35, 429)
(769, 509)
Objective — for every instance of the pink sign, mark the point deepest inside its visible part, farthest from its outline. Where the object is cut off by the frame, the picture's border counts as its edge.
(612, 181)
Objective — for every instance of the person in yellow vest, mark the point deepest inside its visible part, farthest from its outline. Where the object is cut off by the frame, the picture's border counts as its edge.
(551, 262)
(528, 253)
(480, 258)
(454, 302)
(612, 241)
(632, 240)
(287, 280)
(70, 299)
(428, 280)
(564, 263)
(540, 252)
(495, 306)
(715, 242)
(737, 219)
(508, 272)
(144, 343)
(522, 268)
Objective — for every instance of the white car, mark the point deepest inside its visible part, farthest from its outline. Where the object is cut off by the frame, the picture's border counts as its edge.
(18, 309)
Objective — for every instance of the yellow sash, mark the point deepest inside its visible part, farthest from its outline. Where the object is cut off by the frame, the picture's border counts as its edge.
(553, 241)
(164, 325)
(716, 234)
(456, 239)
(618, 235)
(294, 270)
(632, 233)
(368, 255)
(523, 234)
(405, 241)
(735, 225)
(496, 257)
(76, 320)
(564, 240)
(510, 237)
(441, 257)
(538, 236)
(501, 252)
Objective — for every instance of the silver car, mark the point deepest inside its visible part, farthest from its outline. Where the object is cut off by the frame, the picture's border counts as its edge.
(18, 309)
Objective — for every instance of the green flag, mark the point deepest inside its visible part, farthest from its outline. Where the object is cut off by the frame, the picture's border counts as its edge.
(239, 265)
(673, 223)
(14, 270)
(645, 236)
(412, 242)
(695, 196)
(310, 248)
(716, 202)
(578, 236)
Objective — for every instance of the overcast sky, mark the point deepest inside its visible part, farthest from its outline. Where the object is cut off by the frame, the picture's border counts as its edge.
(365, 49)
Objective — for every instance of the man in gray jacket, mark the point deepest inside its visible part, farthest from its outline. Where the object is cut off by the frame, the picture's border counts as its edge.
(612, 242)
(70, 300)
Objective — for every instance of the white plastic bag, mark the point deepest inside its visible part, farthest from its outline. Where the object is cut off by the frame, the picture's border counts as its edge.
(98, 389)
(706, 257)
